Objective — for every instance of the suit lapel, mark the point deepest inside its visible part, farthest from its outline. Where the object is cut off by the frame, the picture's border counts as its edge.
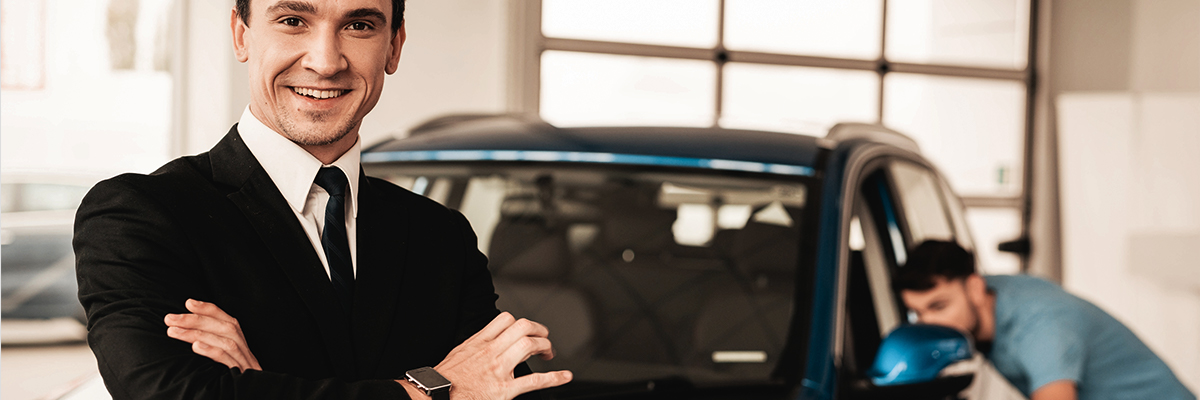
(382, 246)
(260, 201)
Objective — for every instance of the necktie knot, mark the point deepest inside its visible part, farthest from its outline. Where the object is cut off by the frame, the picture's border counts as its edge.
(332, 180)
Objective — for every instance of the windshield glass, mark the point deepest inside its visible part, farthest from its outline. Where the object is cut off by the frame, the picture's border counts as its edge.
(639, 273)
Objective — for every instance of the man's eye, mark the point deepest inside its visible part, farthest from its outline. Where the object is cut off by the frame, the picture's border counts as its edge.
(292, 21)
(360, 26)
(936, 306)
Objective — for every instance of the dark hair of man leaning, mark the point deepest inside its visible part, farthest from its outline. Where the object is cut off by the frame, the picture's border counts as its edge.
(1048, 343)
(271, 267)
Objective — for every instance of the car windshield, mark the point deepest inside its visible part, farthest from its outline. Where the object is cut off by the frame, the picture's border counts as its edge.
(641, 274)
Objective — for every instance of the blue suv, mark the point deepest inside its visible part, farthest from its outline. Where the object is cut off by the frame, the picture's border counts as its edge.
(700, 262)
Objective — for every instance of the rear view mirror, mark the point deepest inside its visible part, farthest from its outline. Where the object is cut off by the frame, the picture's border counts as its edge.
(909, 364)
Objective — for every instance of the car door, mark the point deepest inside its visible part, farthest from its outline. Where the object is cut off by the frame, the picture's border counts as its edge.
(929, 210)
(901, 202)
(897, 203)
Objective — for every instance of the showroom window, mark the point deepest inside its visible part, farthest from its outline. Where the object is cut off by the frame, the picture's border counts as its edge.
(88, 87)
(955, 75)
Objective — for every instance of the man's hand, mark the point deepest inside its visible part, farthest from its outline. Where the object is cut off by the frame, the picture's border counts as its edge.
(213, 334)
(482, 366)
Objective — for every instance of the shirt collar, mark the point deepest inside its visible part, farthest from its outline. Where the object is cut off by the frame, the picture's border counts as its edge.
(291, 167)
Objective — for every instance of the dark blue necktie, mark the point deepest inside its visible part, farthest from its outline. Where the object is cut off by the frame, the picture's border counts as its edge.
(333, 238)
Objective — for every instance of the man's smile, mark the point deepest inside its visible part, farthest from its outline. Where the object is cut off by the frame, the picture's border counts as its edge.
(319, 94)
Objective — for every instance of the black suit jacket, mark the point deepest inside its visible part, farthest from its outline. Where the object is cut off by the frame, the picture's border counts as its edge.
(214, 227)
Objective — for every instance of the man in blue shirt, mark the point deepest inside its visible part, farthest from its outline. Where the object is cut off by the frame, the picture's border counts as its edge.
(1048, 343)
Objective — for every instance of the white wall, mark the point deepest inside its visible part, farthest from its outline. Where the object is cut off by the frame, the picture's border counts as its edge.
(212, 78)
(1127, 98)
(1131, 214)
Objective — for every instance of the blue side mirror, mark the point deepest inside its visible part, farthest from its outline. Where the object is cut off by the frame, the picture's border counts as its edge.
(917, 353)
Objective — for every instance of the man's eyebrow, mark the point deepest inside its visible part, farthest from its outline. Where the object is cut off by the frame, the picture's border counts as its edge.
(293, 6)
(366, 13)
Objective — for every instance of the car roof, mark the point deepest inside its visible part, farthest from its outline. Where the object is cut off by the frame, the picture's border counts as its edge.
(516, 137)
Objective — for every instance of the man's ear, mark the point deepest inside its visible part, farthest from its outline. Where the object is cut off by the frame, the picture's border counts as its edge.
(976, 288)
(239, 36)
(394, 56)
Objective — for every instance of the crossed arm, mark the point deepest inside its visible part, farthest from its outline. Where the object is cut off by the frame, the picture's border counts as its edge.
(135, 259)
(480, 367)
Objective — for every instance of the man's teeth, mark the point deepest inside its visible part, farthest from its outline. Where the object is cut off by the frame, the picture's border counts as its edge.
(320, 94)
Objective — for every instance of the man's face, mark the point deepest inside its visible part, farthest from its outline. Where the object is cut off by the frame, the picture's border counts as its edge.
(316, 66)
(948, 303)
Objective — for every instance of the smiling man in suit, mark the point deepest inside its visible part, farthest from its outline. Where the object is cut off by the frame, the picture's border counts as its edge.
(342, 286)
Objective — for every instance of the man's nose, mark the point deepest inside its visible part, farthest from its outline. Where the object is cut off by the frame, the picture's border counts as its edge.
(325, 56)
(935, 320)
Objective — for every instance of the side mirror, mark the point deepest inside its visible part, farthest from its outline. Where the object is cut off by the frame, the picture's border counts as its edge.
(917, 353)
(909, 363)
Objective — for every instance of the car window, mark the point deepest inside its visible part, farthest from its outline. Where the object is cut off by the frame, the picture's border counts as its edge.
(924, 208)
(639, 273)
(957, 216)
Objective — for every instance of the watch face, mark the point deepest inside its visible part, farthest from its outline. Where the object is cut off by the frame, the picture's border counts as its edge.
(429, 378)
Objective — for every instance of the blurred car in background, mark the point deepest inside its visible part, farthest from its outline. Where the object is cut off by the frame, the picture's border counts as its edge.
(698, 262)
(40, 297)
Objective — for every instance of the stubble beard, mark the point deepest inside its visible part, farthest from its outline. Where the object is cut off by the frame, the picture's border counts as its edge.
(312, 137)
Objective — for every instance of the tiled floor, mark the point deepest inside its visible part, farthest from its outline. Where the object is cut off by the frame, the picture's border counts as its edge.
(33, 372)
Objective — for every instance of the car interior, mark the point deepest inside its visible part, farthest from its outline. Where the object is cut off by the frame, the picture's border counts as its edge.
(643, 275)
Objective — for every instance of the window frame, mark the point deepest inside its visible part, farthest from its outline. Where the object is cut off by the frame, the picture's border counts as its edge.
(527, 43)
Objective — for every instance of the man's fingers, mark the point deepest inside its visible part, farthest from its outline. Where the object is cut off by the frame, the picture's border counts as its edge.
(213, 334)
(537, 381)
(253, 362)
(495, 328)
(520, 329)
(203, 323)
(526, 347)
(222, 344)
(209, 309)
(215, 354)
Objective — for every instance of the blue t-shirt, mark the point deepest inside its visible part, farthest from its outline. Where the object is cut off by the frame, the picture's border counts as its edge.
(1044, 334)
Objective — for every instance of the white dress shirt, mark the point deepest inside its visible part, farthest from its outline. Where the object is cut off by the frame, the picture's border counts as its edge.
(293, 170)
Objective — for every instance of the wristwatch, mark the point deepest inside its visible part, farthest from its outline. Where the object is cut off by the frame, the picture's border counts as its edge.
(434, 384)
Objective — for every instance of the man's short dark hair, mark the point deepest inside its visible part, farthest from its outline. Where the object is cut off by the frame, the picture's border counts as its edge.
(243, 10)
(932, 259)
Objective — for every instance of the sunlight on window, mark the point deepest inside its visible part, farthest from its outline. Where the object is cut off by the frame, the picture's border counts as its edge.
(797, 99)
(985, 33)
(689, 23)
(823, 28)
(990, 227)
(970, 128)
(597, 89)
(694, 225)
(733, 216)
(105, 107)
